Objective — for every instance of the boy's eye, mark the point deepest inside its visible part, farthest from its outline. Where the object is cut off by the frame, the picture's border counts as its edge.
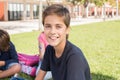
(47, 26)
(58, 27)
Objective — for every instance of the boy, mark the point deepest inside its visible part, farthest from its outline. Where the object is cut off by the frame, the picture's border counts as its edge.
(62, 58)
(8, 56)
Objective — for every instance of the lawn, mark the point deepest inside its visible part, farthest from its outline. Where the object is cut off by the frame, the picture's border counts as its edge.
(100, 43)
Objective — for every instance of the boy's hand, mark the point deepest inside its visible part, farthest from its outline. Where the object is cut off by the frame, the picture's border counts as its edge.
(2, 63)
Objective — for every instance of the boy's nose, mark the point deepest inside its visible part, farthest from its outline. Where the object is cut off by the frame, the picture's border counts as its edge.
(53, 30)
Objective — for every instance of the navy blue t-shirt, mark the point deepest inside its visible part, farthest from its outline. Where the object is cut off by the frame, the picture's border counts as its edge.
(72, 64)
(9, 56)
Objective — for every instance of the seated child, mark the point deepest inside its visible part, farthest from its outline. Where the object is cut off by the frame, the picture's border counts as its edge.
(8, 56)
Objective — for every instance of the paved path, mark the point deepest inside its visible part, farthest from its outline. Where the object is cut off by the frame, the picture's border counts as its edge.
(14, 27)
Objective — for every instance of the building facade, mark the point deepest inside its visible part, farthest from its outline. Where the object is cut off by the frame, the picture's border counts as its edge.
(11, 10)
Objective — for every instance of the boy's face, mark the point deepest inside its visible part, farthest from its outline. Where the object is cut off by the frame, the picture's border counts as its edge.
(55, 30)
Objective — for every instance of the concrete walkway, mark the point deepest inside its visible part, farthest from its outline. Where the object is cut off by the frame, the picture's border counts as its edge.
(14, 27)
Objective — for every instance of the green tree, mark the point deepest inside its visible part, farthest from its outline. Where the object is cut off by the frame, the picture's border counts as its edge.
(83, 2)
(98, 3)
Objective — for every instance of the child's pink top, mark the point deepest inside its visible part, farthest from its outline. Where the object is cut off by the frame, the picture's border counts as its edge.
(42, 39)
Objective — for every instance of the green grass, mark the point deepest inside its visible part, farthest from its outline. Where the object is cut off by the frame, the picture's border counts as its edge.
(100, 43)
(26, 42)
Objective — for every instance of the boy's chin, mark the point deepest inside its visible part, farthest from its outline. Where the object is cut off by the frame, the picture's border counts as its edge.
(53, 44)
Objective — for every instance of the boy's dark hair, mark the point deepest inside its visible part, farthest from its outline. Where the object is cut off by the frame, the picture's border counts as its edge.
(59, 10)
(4, 40)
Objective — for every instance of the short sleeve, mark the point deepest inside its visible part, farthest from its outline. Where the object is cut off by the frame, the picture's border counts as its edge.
(13, 54)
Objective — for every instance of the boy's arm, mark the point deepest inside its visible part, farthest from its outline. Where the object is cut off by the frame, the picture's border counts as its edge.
(41, 49)
(41, 74)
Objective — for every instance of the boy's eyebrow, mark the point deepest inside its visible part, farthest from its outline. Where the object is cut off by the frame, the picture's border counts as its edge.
(50, 24)
(47, 24)
(59, 24)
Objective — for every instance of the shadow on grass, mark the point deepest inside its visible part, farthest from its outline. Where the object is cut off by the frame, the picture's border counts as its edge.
(95, 76)
(23, 75)
(99, 76)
